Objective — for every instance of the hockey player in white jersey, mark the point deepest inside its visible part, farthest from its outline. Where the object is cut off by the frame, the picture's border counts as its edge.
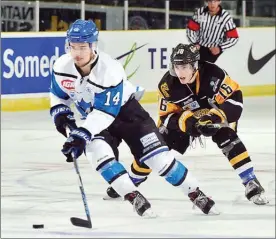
(98, 86)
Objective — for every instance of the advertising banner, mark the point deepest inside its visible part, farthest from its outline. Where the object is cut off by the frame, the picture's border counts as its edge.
(27, 63)
(250, 62)
(27, 59)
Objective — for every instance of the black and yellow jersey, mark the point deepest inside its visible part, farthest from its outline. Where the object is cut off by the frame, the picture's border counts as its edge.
(210, 82)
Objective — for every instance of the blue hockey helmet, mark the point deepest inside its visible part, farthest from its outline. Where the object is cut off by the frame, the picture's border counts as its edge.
(83, 31)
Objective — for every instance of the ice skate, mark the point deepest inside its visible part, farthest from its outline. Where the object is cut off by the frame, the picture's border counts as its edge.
(204, 203)
(111, 194)
(140, 204)
(255, 192)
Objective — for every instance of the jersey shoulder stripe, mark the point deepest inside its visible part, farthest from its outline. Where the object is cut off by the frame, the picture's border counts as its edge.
(65, 74)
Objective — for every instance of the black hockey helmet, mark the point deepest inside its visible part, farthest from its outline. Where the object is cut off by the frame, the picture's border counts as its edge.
(184, 54)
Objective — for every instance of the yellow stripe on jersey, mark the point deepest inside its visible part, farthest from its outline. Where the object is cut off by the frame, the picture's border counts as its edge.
(239, 158)
(197, 82)
(227, 88)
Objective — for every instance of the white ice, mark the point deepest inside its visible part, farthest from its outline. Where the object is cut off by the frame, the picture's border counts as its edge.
(39, 187)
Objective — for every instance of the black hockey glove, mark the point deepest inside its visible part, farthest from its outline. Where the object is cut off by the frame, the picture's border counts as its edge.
(63, 117)
(187, 123)
(76, 143)
(209, 124)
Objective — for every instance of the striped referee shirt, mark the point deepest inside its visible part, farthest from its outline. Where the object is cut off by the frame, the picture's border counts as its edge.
(212, 31)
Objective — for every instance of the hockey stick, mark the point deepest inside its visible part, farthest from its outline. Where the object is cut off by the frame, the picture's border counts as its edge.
(216, 125)
(75, 220)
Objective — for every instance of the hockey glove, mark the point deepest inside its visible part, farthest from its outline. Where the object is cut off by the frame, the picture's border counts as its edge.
(63, 117)
(187, 123)
(209, 124)
(76, 143)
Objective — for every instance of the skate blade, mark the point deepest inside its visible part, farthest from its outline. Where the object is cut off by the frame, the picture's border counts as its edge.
(112, 199)
(149, 214)
(213, 211)
(259, 199)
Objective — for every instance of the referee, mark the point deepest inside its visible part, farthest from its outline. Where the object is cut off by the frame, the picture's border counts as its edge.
(212, 30)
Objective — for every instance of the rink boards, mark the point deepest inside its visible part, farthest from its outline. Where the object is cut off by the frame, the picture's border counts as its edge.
(27, 60)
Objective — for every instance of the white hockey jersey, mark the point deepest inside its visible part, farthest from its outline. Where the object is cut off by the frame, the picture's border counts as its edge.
(98, 96)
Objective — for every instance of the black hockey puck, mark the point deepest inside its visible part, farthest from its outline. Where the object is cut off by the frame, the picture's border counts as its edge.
(37, 226)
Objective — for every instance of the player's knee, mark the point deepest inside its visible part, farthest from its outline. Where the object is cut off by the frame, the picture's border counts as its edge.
(102, 158)
(98, 151)
(168, 167)
(230, 143)
(224, 137)
(160, 162)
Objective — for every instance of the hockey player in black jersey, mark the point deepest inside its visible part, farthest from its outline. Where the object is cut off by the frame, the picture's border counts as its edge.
(199, 98)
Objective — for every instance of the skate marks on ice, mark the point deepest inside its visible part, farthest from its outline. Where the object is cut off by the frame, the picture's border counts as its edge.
(39, 187)
(67, 233)
(38, 201)
(124, 224)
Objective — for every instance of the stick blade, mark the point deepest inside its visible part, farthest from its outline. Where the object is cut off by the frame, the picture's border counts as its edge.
(78, 222)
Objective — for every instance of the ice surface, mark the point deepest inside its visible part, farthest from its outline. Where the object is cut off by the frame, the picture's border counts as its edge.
(39, 187)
